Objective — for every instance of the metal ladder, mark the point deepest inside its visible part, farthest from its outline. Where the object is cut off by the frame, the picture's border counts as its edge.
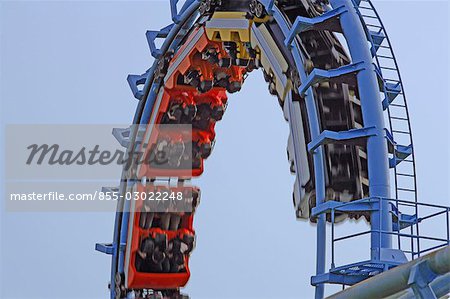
(394, 103)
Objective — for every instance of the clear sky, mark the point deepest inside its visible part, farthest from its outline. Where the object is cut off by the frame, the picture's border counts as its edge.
(67, 61)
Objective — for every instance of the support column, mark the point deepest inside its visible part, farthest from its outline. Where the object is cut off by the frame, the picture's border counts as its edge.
(319, 174)
(377, 152)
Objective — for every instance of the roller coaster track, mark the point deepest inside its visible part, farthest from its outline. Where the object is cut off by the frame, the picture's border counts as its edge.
(336, 97)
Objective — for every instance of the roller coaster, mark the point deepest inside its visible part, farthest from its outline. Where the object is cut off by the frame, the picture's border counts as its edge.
(331, 67)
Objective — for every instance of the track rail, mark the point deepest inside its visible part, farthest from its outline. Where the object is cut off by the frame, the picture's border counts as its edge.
(336, 105)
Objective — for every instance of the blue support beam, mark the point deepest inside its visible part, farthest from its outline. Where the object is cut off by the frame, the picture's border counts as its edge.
(176, 15)
(401, 152)
(123, 135)
(403, 220)
(330, 136)
(174, 11)
(327, 21)
(319, 75)
(389, 137)
(153, 35)
(391, 91)
(108, 248)
(115, 250)
(319, 174)
(105, 248)
(377, 38)
(380, 78)
(135, 81)
(328, 206)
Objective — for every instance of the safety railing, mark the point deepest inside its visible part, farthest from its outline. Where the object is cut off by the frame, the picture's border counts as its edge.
(404, 224)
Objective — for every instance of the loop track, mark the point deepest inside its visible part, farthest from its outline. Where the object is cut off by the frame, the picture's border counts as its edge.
(324, 87)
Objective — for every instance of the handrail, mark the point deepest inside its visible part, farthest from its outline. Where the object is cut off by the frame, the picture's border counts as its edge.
(347, 206)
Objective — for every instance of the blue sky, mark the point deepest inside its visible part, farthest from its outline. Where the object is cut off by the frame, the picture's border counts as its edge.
(67, 61)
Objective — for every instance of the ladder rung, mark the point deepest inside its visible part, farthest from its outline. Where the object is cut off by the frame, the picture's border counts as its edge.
(370, 17)
(375, 26)
(406, 189)
(387, 57)
(388, 68)
(393, 80)
(399, 118)
(400, 132)
(405, 174)
(397, 105)
(384, 47)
